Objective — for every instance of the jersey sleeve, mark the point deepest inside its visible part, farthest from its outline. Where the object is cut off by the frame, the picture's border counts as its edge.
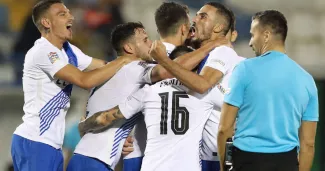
(143, 72)
(133, 104)
(49, 61)
(147, 73)
(220, 59)
(83, 59)
(311, 112)
(237, 85)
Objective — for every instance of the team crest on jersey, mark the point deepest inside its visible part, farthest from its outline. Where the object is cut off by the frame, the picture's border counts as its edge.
(53, 56)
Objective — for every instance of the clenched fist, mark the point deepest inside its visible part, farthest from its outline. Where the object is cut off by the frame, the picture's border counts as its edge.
(158, 50)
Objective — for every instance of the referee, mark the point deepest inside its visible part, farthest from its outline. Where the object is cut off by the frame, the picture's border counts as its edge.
(275, 103)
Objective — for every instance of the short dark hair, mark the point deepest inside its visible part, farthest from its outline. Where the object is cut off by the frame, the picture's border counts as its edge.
(232, 21)
(169, 16)
(180, 50)
(275, 20)
(121, 33)
(40, 8)
(227, 14)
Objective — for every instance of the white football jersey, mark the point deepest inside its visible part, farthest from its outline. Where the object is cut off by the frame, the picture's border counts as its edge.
(47, 99)
(224, 59)
(174, 121)
(169, 47)
(140, 132)
(107, 146)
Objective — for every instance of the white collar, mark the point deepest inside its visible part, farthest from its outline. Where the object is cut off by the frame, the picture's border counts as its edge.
(169, 47)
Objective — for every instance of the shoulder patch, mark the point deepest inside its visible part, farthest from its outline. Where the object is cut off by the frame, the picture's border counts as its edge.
(53, 57)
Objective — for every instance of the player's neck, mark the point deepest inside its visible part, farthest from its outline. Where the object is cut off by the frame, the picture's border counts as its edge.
(131, 55)
(172, 40)
(54, 40)
(275, 46)
(216, 36)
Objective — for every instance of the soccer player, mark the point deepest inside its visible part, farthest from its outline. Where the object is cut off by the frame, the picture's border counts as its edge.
(173, 23)
(213, 21)
(273, 120)
(174, 118)
(179, 51)
(128, 40)
(101, 151)
(51, 66)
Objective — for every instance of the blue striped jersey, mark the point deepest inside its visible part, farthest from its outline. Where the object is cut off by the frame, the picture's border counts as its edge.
(223, 59)
(107, 146)
(47, 99)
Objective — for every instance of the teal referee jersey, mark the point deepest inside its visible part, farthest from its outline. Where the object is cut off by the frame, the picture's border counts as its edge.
(273, 94)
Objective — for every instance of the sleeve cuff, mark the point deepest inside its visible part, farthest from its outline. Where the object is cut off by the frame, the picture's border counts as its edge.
(147, 74)
(309, 118)
(125, 112)
(87, 62)
(57, 68)
(232, 102)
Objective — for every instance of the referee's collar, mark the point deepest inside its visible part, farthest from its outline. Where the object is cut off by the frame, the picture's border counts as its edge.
(269, 52)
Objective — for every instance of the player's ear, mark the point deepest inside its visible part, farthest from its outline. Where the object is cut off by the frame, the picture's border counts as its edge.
(127, 47)
(183, 30)
(267, 36)
(234, 35)
(45, 23)
(218, 28)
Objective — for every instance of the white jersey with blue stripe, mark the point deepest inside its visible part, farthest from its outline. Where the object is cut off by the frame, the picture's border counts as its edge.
(107, 146)
(175, 120)
(224, 59)
(47, 99)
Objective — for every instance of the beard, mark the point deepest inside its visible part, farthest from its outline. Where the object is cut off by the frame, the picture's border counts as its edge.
(142, 55)
(194, 43)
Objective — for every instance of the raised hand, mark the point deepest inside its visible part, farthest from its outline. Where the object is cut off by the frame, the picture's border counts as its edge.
(158, 50)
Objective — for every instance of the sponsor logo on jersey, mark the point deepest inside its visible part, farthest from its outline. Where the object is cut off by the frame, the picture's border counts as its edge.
(220, 62)
(53, 56)
(222, 89)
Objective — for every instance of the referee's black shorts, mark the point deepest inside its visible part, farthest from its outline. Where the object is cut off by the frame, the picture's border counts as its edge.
(249, 161)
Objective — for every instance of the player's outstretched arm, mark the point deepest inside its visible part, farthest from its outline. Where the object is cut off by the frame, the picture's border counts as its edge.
(100, 120)
(95, 63)
(92, 78)
(198, 83)
(226, 127)
(188, 61)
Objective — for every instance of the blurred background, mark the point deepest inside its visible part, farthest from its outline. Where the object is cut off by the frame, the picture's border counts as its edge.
(94, 20)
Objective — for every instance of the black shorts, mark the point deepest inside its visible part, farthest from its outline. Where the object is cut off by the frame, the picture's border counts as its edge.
(249, 161)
